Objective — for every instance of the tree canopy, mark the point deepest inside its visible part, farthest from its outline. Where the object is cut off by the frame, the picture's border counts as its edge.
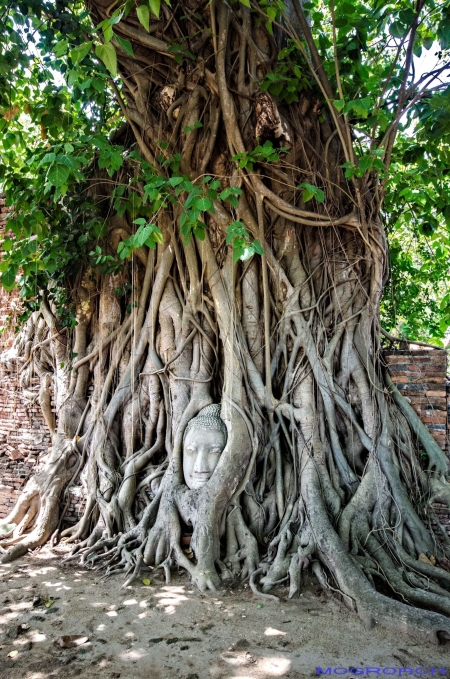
(61, 106)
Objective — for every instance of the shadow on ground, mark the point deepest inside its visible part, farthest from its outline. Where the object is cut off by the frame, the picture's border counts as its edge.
(173, 632)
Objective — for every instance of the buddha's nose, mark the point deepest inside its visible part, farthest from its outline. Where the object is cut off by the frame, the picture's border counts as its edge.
(201, 462)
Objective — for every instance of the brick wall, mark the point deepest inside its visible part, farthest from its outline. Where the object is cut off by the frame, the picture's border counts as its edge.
(24, 436)
(22, 430)
(421, 376)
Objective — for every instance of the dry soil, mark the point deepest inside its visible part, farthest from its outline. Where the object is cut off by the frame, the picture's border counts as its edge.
(161, 631)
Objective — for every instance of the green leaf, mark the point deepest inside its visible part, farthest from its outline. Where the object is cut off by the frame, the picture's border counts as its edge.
(397, 29)
(146, 582)
(203, 204)
(78, 53)
(49, 602)
(339, 104)
(48, 158)
(311, 191)
(199, 232)
(143, 14)
(365, 163)
(361, 107)
(444, 32)
(257, 247)
(245, 2)
(9, 277)
(58, 175)
(247, 253)
(157, 236)
(155, 6)
(107, 54)
(125, 45)
(69, 161)
(107, 32)
(237, 252)
(406, 16)
(61, 47)
(116, 17)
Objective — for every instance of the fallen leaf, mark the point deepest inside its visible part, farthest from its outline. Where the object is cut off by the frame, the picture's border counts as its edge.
(424, 559)
(36, 601)
(49, 603)
(146, 581)
(13, 654)
(71, 640)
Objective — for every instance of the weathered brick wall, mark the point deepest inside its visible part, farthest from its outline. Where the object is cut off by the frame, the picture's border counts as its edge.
(24, 436)
(24, 441)
(421, 376)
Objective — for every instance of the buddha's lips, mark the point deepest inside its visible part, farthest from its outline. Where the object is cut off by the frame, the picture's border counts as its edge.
(202, 476)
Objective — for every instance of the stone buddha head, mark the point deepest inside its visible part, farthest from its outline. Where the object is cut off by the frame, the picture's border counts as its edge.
(205, 438)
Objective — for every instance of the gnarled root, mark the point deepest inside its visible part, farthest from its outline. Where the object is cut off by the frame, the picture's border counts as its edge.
(36, 514)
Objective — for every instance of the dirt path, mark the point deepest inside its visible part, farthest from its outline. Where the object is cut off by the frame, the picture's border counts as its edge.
(173, 632)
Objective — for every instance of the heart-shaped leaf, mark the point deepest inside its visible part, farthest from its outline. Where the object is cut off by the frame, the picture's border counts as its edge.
(78, 53)
(58, 175)
(143, 14)
(155, 6)
(107, 54)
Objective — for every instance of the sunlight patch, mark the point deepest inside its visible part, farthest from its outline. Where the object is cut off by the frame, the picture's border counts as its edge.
(272, 632)
(274, 667)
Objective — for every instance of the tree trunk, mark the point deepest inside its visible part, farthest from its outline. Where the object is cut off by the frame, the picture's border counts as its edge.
(320, 468)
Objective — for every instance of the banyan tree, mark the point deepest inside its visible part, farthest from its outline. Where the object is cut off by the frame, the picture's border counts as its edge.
(223, 381)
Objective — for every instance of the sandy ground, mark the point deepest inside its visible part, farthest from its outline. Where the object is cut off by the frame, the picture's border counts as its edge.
(174, 632)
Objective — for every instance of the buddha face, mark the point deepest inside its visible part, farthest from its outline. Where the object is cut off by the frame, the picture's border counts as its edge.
(201, 453)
